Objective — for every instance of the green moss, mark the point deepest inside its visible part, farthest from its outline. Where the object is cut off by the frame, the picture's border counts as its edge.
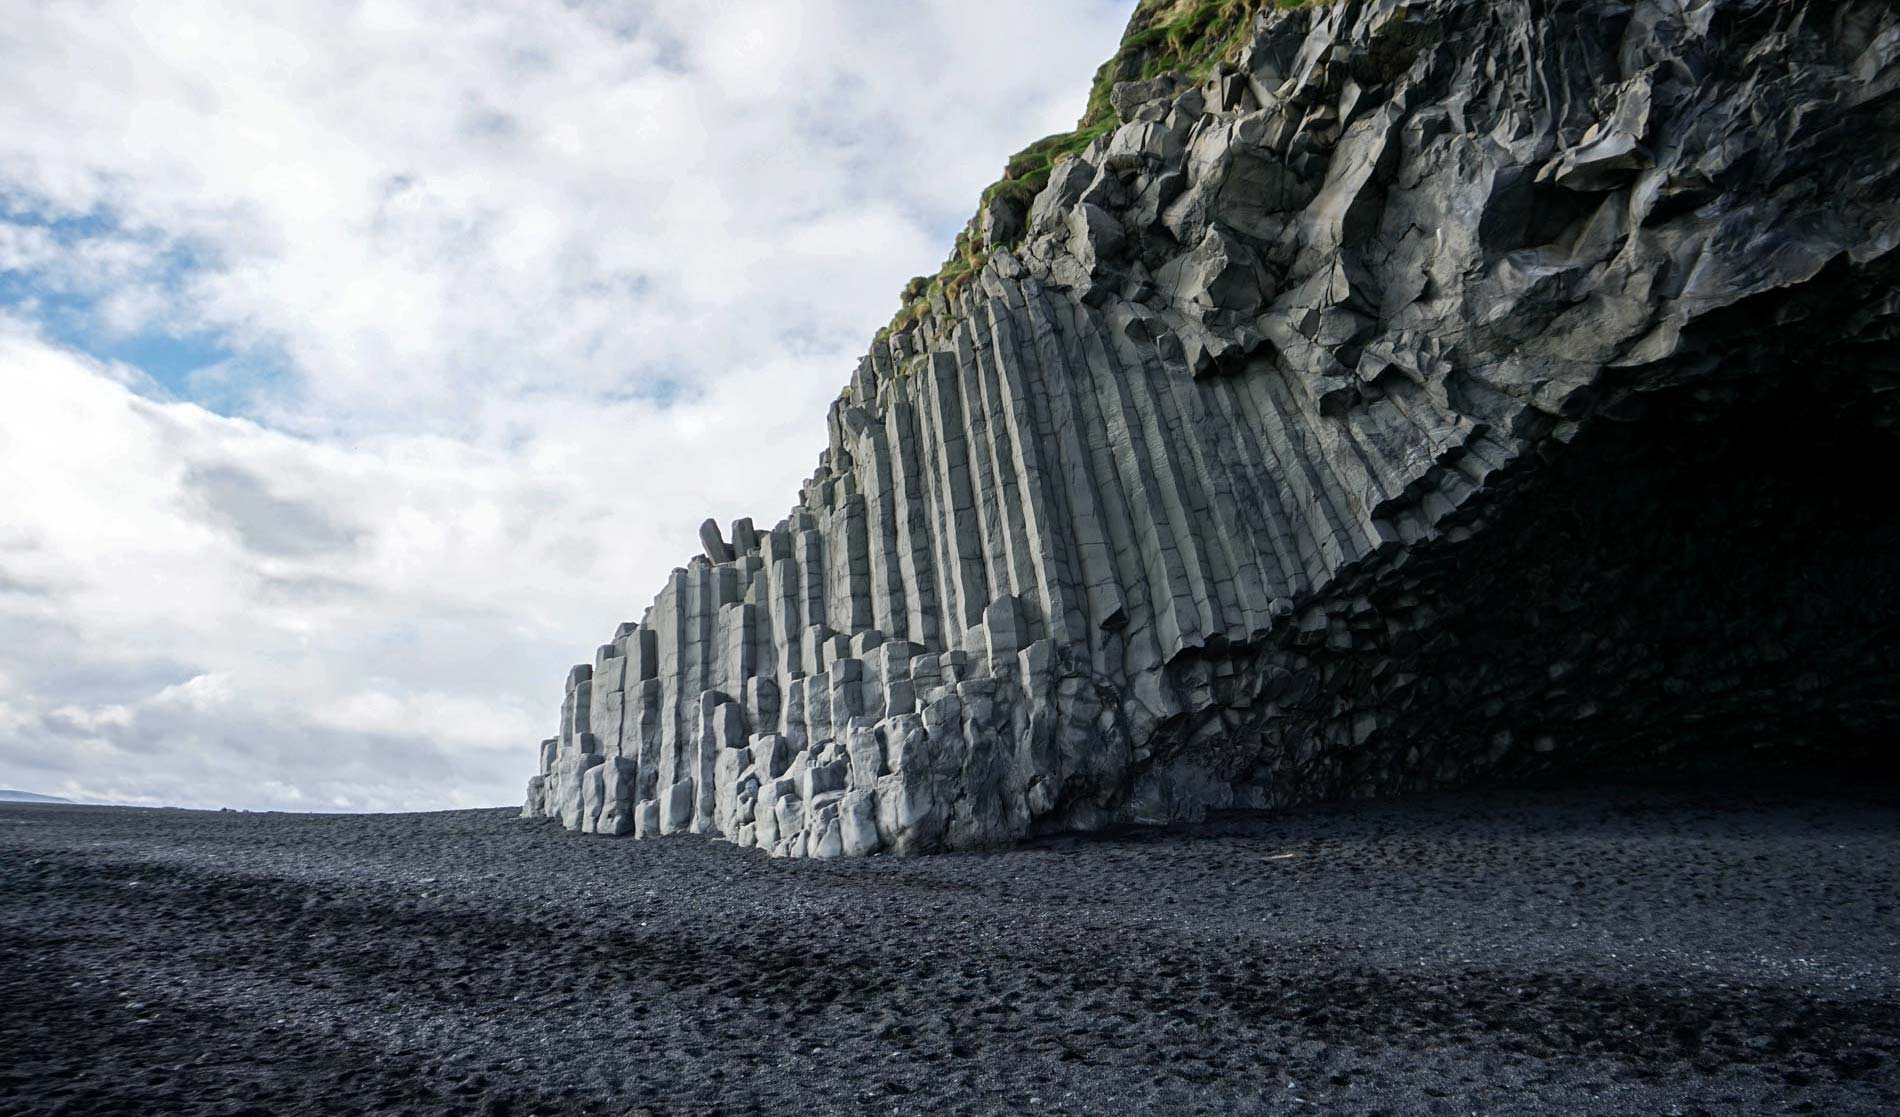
(1190, 37)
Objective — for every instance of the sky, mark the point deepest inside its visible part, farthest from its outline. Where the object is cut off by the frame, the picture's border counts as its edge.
(362, 364)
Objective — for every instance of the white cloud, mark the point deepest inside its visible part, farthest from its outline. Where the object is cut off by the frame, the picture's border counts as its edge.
(513, 296)
(26, 248)
(424, 202)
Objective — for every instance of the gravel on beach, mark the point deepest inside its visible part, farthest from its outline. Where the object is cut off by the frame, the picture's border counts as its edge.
(1654, 947)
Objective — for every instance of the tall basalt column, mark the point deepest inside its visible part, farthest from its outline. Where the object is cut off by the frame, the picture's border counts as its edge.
(887, 591)
(963, 540)
(987, 486)
(914, 559)
(1047, 524)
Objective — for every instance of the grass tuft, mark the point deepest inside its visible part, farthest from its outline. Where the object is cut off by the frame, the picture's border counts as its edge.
(1189, 37)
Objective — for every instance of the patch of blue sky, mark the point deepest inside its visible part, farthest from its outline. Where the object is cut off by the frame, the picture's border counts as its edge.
(662, 390)
(185, 361)
(66, 227)
(666, 391)
(629, 23)
(660, 385)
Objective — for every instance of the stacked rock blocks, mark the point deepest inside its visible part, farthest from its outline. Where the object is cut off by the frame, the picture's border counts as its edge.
(1183, 504)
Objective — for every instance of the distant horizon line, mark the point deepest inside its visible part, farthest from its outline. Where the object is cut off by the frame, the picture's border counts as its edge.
(17, 797)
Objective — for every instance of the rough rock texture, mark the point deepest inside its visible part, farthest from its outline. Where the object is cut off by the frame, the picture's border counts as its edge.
(1446, 388)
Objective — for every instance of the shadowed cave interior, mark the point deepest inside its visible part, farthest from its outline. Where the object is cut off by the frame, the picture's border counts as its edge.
(1706, 580)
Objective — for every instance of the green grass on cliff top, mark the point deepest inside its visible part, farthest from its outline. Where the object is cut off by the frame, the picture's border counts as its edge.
(1180, 36)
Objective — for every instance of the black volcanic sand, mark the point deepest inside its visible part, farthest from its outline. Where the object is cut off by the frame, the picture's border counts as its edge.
(1616, 947)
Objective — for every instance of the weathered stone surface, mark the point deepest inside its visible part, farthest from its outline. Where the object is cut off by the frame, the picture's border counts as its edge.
(1440, 390)
(1001, 221)
(715, 545)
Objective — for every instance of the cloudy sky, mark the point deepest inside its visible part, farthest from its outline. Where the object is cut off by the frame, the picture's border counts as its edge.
(362, 363)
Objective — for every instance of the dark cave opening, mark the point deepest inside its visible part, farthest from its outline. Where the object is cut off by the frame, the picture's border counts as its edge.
(1711, 585)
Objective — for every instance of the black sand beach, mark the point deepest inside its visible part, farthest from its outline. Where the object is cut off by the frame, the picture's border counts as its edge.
(1609, 948)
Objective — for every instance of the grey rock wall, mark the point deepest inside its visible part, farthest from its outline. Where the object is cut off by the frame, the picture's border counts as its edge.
(1253, 472)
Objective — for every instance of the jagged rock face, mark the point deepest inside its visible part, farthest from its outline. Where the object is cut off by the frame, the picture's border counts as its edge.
(1446, 389)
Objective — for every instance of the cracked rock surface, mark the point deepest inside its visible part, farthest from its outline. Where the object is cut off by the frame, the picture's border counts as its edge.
(1443, 389)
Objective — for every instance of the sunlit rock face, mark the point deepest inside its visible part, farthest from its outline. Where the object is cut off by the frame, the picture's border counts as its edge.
(1437, 391)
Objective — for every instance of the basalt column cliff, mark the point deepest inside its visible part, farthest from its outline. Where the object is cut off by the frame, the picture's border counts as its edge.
(1408, 392)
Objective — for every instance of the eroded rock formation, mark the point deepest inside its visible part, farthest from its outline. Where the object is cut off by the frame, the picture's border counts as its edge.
(1440, 388)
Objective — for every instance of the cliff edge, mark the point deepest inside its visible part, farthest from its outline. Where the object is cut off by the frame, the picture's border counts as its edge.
(1431, 389)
